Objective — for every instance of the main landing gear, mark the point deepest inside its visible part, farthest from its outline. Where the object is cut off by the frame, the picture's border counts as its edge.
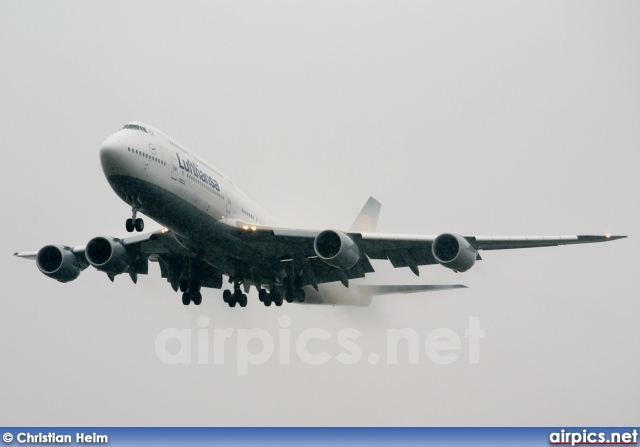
(237, 297)
(134, 223)
(293, 292)
(190, 292)
(270, 297)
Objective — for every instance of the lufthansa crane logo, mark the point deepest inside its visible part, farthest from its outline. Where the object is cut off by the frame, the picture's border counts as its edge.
(152, 148)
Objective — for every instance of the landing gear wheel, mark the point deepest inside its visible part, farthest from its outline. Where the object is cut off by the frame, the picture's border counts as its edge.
(300, 295)
(267, 299)
(184, 285)
(276, 298)
(139, 224)
(197, 298)
(289, 296)
(229, 298)
(186, 299)
(262, 293)
(129, 225)
(243, 300)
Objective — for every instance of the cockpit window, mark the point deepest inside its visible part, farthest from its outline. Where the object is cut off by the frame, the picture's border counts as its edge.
(135, 127)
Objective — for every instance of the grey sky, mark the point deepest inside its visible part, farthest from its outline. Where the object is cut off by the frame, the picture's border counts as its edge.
(502, 118)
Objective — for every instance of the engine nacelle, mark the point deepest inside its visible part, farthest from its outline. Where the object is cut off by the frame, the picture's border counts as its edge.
(336, 249)
(58, 262)
(454, 252)
(107, 255)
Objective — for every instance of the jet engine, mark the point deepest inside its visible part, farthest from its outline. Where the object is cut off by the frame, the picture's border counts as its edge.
(336, 249)
(107, 255)
(59, 263)
(454, 252)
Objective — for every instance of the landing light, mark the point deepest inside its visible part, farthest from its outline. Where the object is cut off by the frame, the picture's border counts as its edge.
(164, 230)
(608, 235)
(253, 228)
(245, 227)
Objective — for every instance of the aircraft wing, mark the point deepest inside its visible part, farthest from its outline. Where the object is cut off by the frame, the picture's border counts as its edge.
(297, 245)
(162, 246)
(26, 255)
(379, 246)
(506, 242)
(259, 255)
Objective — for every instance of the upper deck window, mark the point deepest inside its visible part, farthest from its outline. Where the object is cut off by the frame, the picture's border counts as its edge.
(135, 127)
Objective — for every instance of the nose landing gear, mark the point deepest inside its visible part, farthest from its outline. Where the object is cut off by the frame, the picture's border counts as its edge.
(135, 222)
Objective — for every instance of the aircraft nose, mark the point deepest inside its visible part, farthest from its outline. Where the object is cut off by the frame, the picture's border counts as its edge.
(110, 153)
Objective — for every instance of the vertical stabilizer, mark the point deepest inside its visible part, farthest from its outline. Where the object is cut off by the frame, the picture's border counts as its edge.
(367, 220)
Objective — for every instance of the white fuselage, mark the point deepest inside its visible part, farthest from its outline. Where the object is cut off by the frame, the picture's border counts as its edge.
(176, 188)
(151, 157)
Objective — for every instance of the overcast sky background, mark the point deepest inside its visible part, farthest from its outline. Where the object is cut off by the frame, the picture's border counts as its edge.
(479, 118)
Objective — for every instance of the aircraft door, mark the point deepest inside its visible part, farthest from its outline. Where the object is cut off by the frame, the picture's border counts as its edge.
(174, 169)
(228, 202)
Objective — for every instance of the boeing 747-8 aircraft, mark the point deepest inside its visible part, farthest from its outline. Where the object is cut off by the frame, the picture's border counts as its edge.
(212, 229)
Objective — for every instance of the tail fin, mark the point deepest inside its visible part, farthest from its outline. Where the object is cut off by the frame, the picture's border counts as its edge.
(367, 220)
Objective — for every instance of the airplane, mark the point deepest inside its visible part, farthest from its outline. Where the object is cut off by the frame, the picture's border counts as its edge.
(212, 229)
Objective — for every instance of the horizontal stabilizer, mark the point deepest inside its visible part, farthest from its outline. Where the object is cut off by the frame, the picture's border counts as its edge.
(390, 290)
